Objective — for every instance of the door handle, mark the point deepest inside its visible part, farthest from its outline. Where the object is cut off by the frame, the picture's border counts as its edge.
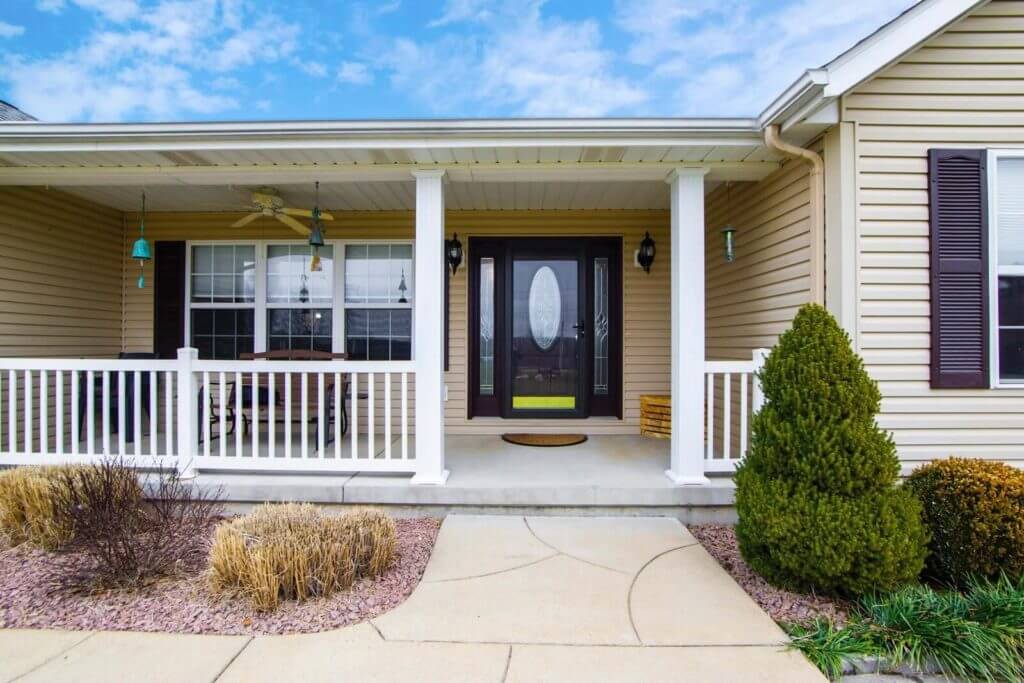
(580, 328)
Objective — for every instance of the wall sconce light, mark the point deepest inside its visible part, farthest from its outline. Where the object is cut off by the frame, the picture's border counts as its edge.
(645, 254)
(140, 250)
(729, 233)
(453, 252)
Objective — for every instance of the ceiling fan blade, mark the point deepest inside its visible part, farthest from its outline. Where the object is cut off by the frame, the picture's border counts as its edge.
(293, 224)
(305, 213)
(246, 220)
(326, 216)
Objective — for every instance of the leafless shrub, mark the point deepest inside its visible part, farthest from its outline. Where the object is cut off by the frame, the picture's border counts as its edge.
(133, 527)
(296, 551)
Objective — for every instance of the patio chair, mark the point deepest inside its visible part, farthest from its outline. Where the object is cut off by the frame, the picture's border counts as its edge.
(112, 398)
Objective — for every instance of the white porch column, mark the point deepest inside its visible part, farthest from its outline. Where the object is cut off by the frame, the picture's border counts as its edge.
(428, 328)
(687, 262)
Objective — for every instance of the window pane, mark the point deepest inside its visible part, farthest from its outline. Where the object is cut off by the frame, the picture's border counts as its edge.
(378, 273)
(223, 273)
(1011, 211)
(1011, 300)
(222, 334)
(1011, 354)
(299, 329)
(290, 278)
(601, 308)
(487, 326)
(378, 334)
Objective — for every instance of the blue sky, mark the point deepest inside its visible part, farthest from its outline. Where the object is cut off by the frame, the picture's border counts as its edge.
(170, 60)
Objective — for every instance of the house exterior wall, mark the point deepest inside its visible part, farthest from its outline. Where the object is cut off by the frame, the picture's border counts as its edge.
(963, 88)
(645, 300)
(61, 262)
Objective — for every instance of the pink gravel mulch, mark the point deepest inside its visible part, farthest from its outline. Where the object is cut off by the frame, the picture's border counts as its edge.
(184, 604)
(782, 605)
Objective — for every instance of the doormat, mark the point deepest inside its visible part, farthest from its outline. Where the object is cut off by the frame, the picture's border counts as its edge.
(544, 440)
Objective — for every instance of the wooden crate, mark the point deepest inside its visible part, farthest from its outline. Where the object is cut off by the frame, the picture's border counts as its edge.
(656, 416)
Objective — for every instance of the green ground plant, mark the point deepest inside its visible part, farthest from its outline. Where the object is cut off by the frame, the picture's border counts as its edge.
(816, 495)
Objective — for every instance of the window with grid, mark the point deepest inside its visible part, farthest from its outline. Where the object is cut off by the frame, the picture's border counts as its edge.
(222, 302)
(1009, 238)
(378, 301)
(300, 300)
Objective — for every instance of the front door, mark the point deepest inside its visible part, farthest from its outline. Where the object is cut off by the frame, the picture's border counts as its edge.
(545, 327)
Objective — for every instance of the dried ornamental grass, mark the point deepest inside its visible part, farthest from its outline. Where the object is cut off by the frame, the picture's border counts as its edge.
(30, 510)
(296, 552)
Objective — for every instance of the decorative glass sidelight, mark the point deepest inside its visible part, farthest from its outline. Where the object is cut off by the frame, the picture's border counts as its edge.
(601, 331)
(487, 326)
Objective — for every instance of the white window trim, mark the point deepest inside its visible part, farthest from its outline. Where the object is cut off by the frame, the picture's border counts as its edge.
(260, 305)
(994, 270)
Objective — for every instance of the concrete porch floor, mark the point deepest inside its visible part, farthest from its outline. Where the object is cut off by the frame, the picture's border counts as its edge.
(625, 473)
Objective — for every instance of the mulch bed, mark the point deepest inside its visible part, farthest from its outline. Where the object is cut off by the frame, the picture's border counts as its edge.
(782, 605)
(31, 596)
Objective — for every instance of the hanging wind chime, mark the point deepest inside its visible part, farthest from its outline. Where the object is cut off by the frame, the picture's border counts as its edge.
(316, 234)
(140, 250)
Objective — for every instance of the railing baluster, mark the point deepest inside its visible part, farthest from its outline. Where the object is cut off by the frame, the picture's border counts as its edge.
(90, 412)
(27, 413)
(222, 418)
(726, 415)
(137, 399)
(121, 394)
(12, 412)
(44, 414)
(405, 416)
(320, 424)
(239, 421)
(288, 415)
(743, 416)
(304, 413)
(169, 410)
(105, 411)
(154, 378)
(371, 411)
(271, 415)
(387, 416)
(58, 404)
(76, 426)
(207, 406)
(710, 437)
(354, 422)
(254, 413)
(338, 407)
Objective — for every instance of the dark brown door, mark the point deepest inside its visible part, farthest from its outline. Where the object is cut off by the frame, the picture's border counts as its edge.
(545, 327)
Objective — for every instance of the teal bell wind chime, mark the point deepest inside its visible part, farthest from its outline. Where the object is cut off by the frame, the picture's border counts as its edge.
(140, 250)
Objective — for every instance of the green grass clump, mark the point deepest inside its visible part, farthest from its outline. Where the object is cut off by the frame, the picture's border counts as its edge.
(976, 634)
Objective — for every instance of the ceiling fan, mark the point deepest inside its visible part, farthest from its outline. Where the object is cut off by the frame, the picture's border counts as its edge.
(267, 202)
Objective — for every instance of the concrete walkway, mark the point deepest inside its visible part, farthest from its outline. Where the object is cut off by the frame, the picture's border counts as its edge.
(502, 599)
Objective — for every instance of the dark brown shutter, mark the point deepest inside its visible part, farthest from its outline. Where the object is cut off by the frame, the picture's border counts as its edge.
(169, 299)
(958, 210)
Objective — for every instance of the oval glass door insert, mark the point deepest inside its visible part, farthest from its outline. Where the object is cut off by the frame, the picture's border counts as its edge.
(545, 308)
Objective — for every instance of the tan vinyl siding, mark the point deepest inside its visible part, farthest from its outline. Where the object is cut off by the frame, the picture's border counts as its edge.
(645, 300)
(964, 88)
(60, 275)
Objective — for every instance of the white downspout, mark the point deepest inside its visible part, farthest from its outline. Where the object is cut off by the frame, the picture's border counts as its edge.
(817, 205)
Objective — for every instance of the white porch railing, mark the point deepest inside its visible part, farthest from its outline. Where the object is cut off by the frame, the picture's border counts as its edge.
(733, 395)
(340, 416)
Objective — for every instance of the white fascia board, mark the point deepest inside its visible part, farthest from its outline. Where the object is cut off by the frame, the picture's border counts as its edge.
(892, 41)
(803, 91)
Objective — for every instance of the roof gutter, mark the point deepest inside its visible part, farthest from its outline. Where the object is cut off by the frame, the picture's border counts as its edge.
(775, 142)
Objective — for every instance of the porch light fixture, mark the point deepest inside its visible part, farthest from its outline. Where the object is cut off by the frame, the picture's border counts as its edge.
(140, 250)
(453, 252)
(645, 255)
(316, 233)
(729, 232)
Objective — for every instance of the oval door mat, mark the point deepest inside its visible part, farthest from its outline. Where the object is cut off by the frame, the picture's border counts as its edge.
(544, 440)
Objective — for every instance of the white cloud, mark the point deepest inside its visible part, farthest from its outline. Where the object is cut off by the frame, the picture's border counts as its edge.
(51, 6)
(10, 30)
(114, 10)
(312, 68)
(355, 73)
(463, 10)
(521, 62)
(154, 65)
(732, 57)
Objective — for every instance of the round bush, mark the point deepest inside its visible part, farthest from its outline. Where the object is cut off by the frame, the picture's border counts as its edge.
(975, 512)
(816, 495)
